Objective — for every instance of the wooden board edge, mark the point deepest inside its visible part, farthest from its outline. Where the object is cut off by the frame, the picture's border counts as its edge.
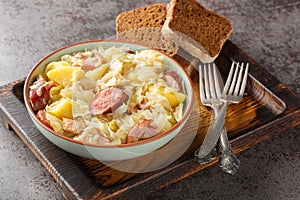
(10, 122)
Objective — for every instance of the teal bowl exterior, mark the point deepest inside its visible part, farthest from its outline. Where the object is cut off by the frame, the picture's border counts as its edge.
(108, 152)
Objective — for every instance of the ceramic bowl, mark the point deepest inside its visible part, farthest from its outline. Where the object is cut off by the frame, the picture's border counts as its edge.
(104, 152)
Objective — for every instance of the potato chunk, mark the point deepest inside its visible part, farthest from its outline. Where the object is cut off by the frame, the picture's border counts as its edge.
(61, 108)
(54, 65)
(174, 98)
(62, 75)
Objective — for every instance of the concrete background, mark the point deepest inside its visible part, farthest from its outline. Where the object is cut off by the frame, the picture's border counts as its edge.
(267, 30)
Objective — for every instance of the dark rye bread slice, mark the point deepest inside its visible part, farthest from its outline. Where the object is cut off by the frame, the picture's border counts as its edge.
(199, 31)
(143, 25)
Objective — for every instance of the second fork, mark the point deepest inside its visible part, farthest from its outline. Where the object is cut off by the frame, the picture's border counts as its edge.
(210, 95)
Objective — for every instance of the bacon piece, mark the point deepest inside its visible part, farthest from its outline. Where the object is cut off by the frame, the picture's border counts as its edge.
(94, 136)
(108, 100)
(173, 80)
(93, 62)
(72, 126)
(132, 109)
(130, 51)
(39, 93)
(41, 115)
(142, 130)
(143, 105)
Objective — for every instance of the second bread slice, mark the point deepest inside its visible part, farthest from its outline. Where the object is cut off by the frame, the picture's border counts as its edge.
(199, 31)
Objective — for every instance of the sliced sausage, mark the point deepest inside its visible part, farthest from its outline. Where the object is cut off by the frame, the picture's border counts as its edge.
(39, 93)
(173, 80)
(108, 100)
(142, 130)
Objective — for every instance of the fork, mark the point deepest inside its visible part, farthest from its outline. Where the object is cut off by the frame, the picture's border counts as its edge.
(232, 93)
(210, 95)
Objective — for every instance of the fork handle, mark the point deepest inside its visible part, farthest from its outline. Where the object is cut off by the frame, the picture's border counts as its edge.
(228, 162)
(224, 140)
(223, 136)
(213, 133)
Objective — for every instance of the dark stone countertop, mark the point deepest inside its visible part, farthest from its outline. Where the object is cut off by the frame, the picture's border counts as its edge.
(267, 30)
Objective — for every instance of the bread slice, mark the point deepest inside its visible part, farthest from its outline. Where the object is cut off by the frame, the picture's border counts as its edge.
(199, 31)
(143, 25)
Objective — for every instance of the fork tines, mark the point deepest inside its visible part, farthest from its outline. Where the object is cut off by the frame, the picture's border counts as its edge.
(236, 81)
(209, 83)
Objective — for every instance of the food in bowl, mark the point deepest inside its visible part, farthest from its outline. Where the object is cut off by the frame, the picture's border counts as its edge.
(109, 96)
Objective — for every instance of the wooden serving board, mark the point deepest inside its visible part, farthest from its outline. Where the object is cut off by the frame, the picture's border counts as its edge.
(267, 109)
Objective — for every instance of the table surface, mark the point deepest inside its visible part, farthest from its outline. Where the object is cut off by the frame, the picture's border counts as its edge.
(267, 30)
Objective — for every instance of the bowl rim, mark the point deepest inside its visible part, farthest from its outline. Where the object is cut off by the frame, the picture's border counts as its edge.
(138, 143)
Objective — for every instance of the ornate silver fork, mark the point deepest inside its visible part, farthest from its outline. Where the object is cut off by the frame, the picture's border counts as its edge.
(210, 95)
(232, 93)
